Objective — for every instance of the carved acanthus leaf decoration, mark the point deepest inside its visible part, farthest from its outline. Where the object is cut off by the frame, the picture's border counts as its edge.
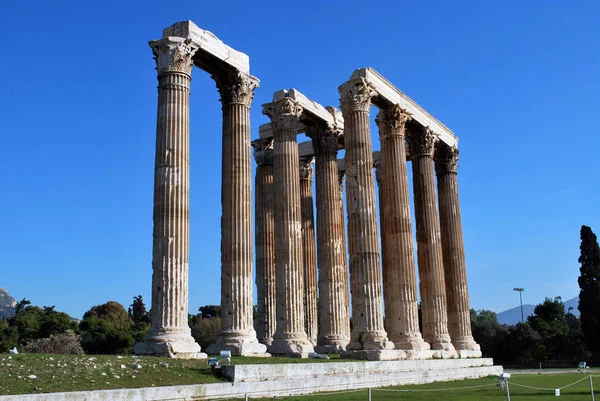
(263, 151)
(173, 56)
(378, 172)
(306, 168)
(392, 120)
(446, 159)
(236, 88)
(341, 180)
(284, 114)
(356, 96)
(421, 142)
(324, 140)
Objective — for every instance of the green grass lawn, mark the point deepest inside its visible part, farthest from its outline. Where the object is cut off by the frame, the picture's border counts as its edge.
(482, 389)
(54, 373)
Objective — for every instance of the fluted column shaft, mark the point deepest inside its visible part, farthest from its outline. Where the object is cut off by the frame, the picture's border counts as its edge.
(290, 336)
(367, 332)
(237, 330)
(429, 247)
(265, 239)
(309, 250)
(399, 276)
(457, 291)
(342, 235)
(169, 333)
(333, 275)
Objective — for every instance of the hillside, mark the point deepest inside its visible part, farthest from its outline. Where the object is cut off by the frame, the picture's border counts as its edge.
(513, 315)
(7, 304)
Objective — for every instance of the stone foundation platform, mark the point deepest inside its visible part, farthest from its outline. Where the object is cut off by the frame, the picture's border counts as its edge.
(291, 379)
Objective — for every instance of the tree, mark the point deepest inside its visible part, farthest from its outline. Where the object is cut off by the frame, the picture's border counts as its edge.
(9, 336)
(205, 331)
(210, 311)
(576, 348)
(105, 329)
(524, 343)
(140, 318)
(589, 284)
(550, 323)
(137, 310)
(488, 333)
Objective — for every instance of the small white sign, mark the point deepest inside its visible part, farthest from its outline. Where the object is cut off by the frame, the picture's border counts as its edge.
(557, 392)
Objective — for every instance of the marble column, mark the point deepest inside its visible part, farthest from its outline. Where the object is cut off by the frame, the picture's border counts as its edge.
(237, 329)
(169, 333)
(265, 240)
(334, 320)
(429, 247)
(457, 292)
(308, 249)
(399, 275)
(290, 337)
(346, 278)
(368, 334)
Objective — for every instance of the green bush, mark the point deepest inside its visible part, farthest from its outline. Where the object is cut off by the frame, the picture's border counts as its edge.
(205, 331)
(105, 329)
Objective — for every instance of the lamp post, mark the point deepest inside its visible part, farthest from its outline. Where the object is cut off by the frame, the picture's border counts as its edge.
(521, 300)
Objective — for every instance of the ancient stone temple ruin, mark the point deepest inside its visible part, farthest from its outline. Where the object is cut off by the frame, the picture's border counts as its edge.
(314, 276)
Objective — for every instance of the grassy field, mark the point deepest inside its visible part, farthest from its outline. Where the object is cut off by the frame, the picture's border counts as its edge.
(473, 390)
(99, 372)
(30, 373)
(480, 389)
(36, 373)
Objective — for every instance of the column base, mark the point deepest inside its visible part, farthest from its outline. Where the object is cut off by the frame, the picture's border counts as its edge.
(239, 342)
(174, 342)
(374, 355)
(464, 354)
(293, 345)
(266, 341)
(367, 341)
(331, 344)
(441, 342)
(466, 343)
(442, 354)
(412, 342)
(330, 349)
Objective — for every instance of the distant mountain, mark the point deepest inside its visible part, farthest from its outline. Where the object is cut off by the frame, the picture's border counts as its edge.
(7, 304)
(513, 315)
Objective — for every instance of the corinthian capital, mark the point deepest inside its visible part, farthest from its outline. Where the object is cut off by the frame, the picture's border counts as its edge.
(324, 140)
(173, 55)
(263, 151)
(391, 121)
(378, 164)
(355, 95)
(446, 159)
(284, 114)
(421, 142)
(306, 168)
(236, 88)
(341, 180)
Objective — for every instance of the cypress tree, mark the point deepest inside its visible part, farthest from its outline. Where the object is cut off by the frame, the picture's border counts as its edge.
(589, 284)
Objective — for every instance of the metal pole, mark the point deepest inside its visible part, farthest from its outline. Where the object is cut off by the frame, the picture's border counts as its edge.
(507, 392)
(592, 387)
(369, 393)
(521, 300)
(246, 397)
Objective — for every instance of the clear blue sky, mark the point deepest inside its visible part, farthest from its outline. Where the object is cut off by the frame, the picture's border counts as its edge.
(517, 81)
